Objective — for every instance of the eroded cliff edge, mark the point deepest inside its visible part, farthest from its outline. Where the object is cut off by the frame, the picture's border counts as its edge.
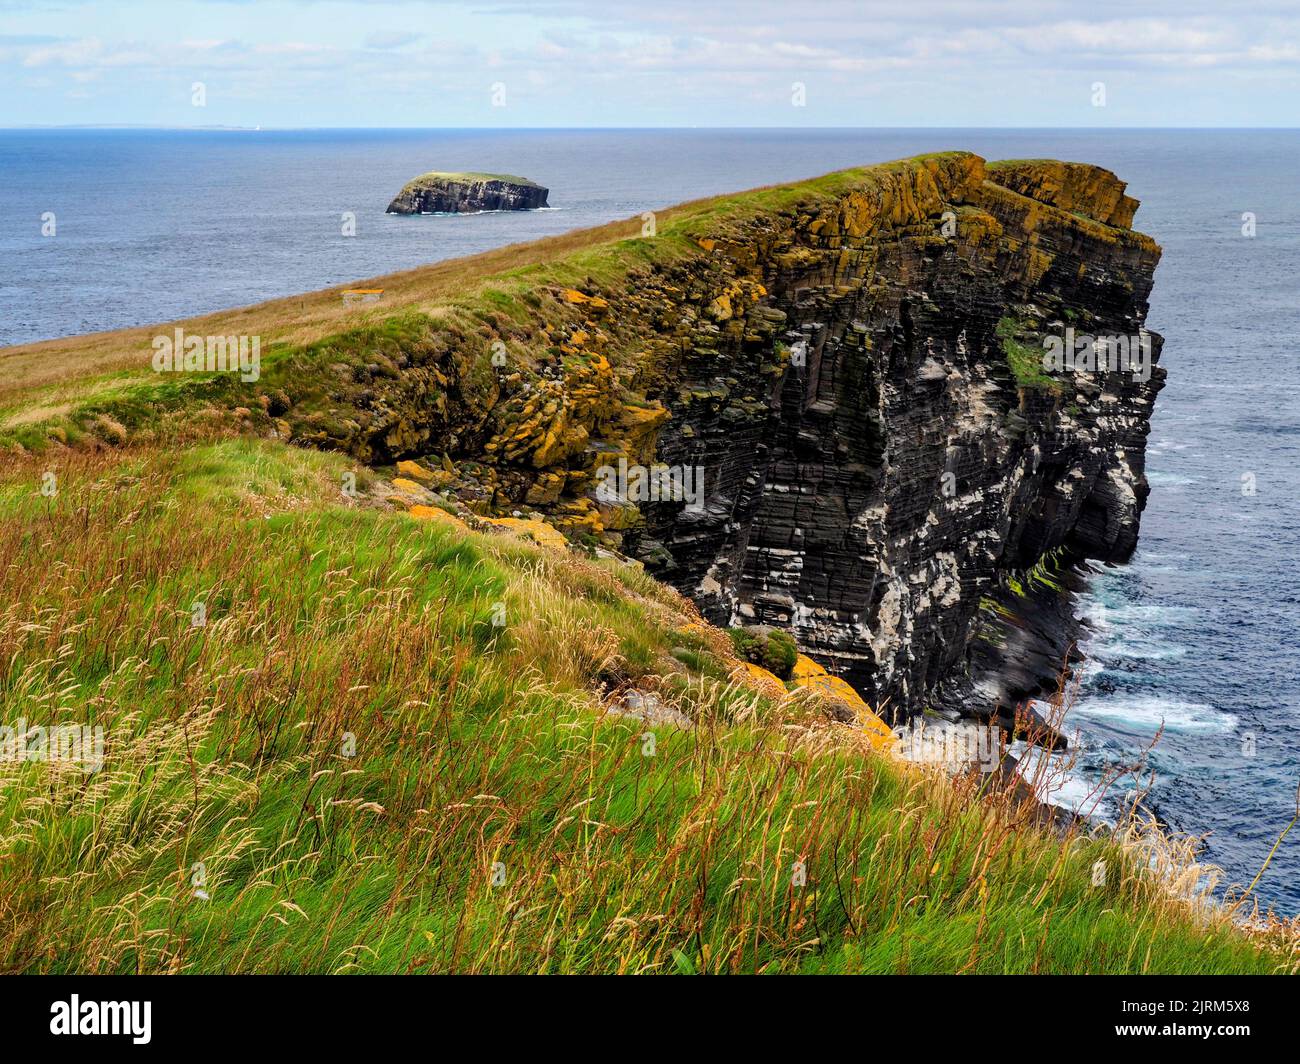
(852, 363)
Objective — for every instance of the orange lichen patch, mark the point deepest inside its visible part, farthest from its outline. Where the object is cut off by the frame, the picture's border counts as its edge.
(1076, 187)
(805, 668)
(811, 676)
(758, 679)
(707, 243)
(414, 470)
(582, 517)
(402, 484)
(696, 628)
(437, 513)
(539, 531)
(572, 295)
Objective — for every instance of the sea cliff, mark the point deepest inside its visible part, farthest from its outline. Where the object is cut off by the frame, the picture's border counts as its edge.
(856, 377)
(851, 370)
(351, 652)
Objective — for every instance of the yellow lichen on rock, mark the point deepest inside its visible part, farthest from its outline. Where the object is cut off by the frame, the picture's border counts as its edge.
(414, 471)
(1039, 263)
(809, 675)
(554, 421)
(437, 514)
(547, 488)
(572, 295)
(759, 680)
(580, 517)
(720, 308)
(538, 531)
(1076, 187)
(805, 668)
(402, 484)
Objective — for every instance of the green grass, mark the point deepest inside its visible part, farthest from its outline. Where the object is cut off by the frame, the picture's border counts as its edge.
(481, 752)
(774, 650)
(1025, 360)
(468, 175)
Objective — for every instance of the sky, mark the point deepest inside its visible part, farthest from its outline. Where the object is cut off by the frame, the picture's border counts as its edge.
(573, 63)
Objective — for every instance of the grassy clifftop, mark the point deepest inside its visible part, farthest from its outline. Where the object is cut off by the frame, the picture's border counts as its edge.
(70, 389)
(542, 361)
(402, 745)
(470, 175)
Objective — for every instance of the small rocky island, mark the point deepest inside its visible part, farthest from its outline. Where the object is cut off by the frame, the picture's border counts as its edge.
(450, 193)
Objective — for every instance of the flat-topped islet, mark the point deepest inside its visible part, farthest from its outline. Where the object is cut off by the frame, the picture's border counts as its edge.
(439, 192)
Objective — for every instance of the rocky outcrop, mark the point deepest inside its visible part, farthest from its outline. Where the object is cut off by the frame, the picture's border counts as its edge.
(847, 377)
(454, 193)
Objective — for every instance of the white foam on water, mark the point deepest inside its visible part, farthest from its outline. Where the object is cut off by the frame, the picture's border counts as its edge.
(1089, 668)
(1099, 615)
(1145, 554)
(1131, 632)
(1148, 712)
(1175, 480)
(1137, 649)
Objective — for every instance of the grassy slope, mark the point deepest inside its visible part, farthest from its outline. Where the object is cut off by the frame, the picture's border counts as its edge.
(59, 383)
(475, 744)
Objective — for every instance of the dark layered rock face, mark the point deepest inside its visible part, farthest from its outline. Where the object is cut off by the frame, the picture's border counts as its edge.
(439, 193)
(876, 482)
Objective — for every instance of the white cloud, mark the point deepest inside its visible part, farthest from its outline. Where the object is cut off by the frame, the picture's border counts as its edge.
(926, 62)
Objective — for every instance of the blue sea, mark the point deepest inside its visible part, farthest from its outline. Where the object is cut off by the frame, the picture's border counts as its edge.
(1197, 636)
